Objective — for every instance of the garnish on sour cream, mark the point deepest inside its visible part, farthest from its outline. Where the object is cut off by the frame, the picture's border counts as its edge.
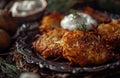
(71, 21)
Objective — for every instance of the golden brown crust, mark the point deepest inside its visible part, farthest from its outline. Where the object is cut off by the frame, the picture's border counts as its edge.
(51, 21)
(110, 33)
(48, 45)
(99, 16)
(84, 48)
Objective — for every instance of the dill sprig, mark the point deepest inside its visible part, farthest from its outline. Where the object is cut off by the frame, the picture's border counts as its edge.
(75, 13)
(81, 26)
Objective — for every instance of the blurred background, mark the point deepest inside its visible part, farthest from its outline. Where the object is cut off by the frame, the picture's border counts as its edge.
(108, 5)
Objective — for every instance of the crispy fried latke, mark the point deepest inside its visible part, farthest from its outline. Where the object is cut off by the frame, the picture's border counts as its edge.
(51, 21)
(49, 44)
(111, 33)
(84, 48)
(99, 16)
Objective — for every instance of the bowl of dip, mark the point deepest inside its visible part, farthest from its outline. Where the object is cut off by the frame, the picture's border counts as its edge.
(26, 10)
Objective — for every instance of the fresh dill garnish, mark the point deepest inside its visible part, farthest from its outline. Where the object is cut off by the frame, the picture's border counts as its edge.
(81, 26)
(74, 12)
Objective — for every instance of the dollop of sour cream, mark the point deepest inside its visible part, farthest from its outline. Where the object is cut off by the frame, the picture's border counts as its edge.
(70, 21)
(27, 7)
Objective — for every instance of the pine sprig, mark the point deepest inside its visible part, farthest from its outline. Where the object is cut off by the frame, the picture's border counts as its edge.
(10, 70)
(61, 5)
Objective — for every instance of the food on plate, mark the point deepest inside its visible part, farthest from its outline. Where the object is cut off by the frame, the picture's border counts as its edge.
(82, 38)
(49, 44)
(110, 33)
(99, 16)
(51, 21)
(4, 40)
(84, 48)
(72, 20)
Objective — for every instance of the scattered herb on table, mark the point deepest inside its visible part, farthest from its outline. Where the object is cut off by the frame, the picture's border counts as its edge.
(10, 70)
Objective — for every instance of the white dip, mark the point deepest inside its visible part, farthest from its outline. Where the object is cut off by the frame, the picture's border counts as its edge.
(27, 7)
(70, 21)
(29, 75)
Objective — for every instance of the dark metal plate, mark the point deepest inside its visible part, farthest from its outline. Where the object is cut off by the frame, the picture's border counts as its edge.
(26, 35)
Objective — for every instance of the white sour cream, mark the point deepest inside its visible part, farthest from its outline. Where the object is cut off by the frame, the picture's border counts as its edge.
(27, 7)
(29, 75)
(70, 22)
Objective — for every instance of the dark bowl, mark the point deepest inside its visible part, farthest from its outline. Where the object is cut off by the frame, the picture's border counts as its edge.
(26, 35)
(28, 18)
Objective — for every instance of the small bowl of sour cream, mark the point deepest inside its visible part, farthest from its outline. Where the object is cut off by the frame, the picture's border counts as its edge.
(26, 10)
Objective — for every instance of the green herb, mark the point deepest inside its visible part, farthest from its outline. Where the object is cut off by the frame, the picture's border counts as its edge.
(61, 5)
(75, 13)
(81, 26)
(75, 16)
(10, 70)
